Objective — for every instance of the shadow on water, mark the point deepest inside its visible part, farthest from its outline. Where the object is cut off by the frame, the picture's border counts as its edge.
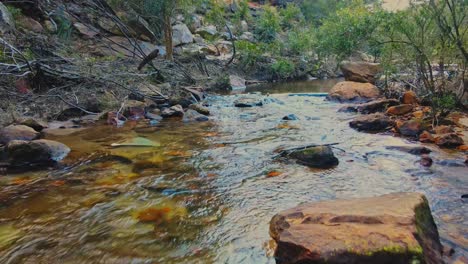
(204, 193)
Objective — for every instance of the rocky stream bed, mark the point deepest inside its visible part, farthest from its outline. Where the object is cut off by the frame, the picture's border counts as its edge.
(199, 191)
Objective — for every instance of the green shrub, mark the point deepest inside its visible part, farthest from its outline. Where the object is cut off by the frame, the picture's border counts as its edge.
(300, 41)
(283, 69)
(216, 13)
(291, 15)
(249, 52)
(15, 12)
(268, 25)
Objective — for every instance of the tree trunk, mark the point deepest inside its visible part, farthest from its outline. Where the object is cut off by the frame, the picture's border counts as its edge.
(168, 37)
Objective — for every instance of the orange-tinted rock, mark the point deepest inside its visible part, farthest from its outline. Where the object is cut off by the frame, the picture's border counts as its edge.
(361, 71)
(394, 228)
(449, 140)
(418, 114)
(353, 92)
(409, 97)
(443, 130)
(400, 109)
(411, 128)
(463, 148)
(426, 137)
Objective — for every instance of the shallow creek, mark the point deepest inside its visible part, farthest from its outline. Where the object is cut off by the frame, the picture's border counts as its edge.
(204, 194)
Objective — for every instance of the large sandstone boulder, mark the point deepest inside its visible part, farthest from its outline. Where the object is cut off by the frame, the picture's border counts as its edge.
(371, 123)
(36, 153)
(321, 157)
(181, 35)
(449, 140)
(389, 229)
(7, 23)
(17, 132)
(353, 92)
(364, 72)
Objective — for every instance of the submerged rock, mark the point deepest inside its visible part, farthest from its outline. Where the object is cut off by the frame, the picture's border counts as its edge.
(200, 109)
(371, 107)
(316, 157)
(247, 102)
(290, 117)
(35, 153)
(393, 228)
(353, 92)
(17, 132)
(361, 71)
(193, 116)
(371, 123)
(415, 150)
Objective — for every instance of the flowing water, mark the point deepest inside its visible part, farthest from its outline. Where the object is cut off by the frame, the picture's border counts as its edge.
(206, 192)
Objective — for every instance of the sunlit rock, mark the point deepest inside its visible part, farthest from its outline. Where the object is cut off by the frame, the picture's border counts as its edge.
(17, 132)
(393, 228)
(353, 92)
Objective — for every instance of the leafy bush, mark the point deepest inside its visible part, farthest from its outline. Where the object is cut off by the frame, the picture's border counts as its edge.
(283, 69)
(346, 31)
(268, 25)
(216, 14)
(291, 15)
(249, 52)
(301, 41)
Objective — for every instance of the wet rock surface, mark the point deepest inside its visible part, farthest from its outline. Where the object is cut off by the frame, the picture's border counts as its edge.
(353, 92)
(371, 107)
(247, 102)
(321, 157)
(393, 228)
(17, 132)
(173, 111)
(35, 153)
(371, 123)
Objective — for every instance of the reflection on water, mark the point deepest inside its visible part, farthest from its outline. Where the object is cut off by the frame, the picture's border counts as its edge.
(312, 86)
(207, 192)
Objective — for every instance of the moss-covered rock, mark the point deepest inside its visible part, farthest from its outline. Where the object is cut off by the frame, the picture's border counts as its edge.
(393, 228)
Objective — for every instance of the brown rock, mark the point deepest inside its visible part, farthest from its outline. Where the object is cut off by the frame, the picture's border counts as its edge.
(426, 137)
(463, 148)
(426, 161)
(30, 24)
(418, 114)
(410, 97)
(449, 140)
(37, 152)
(393, 228)
(371, 107)
(363, 72)
(411, 128)
(443, 130)
(35, 124)
(371, 123)
(400, 109)
(17, 132)
(173, 111)
(200, 109)
(353, 92)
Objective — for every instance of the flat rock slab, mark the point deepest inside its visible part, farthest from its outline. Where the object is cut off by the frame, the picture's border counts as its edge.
(393, 228)
(353, 92)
